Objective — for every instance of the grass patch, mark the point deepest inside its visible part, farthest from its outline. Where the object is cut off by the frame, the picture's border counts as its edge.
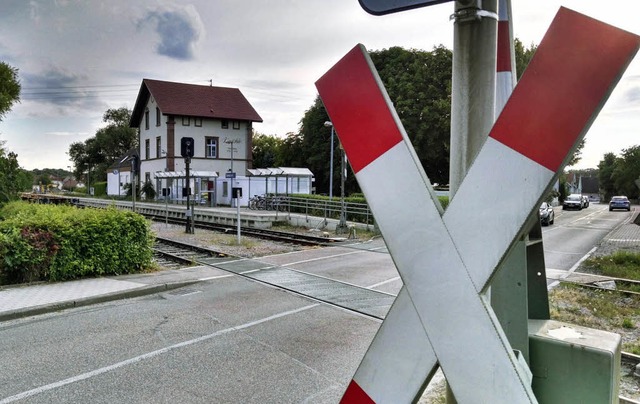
(621, 264)
(603, 310)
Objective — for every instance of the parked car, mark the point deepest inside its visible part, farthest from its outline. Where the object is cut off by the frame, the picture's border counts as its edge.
(573, 201)
(585, 201)
(547, 216)
(619, 202)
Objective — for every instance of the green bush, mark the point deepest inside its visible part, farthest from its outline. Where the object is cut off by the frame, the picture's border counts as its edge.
(100, 188)
(58, 242)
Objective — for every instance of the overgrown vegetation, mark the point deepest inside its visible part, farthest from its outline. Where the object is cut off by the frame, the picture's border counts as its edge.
(57, 242)
(621, 264)
(594, 308)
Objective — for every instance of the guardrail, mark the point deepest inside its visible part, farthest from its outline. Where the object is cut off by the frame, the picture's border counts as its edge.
(327, 209)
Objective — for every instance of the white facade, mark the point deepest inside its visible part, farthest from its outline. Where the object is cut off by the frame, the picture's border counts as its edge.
(219, 145)
(117, 177)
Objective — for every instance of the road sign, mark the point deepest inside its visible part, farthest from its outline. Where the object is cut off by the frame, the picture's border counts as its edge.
(380, 7)
(230, 175)
(446, 259)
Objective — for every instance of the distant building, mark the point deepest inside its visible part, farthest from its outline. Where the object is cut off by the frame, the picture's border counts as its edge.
(119, 174)
(219, 119)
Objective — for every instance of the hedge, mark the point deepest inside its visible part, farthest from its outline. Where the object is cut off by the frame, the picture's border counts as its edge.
(58, 242)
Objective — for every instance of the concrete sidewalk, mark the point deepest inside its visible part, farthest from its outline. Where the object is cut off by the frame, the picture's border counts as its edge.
(27, 300)
(33, 299)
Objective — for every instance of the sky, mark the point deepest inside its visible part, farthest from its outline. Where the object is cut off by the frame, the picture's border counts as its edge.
(76, 59)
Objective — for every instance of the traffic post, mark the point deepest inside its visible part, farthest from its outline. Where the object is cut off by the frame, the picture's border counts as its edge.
(236, 193)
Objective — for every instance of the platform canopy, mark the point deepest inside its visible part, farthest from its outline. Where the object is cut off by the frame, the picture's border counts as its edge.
(280, 171)
(183, 174)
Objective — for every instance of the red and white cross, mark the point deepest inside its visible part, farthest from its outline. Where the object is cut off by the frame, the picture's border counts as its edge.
(446, 259)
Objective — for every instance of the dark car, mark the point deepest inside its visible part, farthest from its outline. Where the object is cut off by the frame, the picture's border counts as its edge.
(547, 216)
(573, 201)
(619, 202)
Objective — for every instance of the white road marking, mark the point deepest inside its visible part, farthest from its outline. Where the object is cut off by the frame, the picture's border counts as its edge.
(572, 269)
(383, 282)
(148, 355)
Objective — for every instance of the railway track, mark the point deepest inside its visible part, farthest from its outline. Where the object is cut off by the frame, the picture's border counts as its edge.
(354, 298)
(628, 287)
(265, 234)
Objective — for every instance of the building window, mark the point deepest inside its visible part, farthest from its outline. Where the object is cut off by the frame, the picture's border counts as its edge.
(225, 189)
(157, 116)
(158, 147)
(147, 177)
(211, 147)
(146, 149)
(197, 121)
(186, 121)
(146, 119)
(224, 124)
(236, 124)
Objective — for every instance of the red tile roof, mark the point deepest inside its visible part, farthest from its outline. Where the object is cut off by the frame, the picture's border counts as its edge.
(193, 100)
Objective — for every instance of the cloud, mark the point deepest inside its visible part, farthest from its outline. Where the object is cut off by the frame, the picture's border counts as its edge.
(53, 86)
(632, 95)
(64, 134)
(179, 31)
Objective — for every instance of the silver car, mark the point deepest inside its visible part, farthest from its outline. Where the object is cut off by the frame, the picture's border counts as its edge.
(547, 216)
(573, 201)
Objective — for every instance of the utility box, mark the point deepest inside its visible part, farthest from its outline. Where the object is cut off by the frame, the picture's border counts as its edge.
(573, 364)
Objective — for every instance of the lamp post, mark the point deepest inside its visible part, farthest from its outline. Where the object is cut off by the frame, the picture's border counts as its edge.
(330, 124)
(342, 225)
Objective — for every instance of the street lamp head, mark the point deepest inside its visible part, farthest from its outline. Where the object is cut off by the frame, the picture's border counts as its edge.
(328, 124)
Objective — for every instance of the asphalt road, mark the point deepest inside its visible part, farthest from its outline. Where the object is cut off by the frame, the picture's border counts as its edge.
(229, 339)
(575, 233)
(226, 340)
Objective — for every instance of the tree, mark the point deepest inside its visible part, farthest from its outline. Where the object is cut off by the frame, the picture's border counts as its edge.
(13, 179)
(605, 175)
(265, 150)
(419, 85)
(626, 171)
(9, 88)
(97, 153)
(523, 56)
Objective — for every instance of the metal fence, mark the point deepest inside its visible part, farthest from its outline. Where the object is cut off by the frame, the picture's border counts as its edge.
(324, 208)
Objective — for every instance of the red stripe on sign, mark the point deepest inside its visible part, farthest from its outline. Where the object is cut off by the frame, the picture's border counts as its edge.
(359, 108)
(571, 75)
(355, 395)
(504, 47)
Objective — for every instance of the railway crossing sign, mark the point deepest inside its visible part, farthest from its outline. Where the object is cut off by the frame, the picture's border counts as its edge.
(446, 259)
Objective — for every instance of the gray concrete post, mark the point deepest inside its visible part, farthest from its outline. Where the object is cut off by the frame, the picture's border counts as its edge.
(473, 83)
(473, 88)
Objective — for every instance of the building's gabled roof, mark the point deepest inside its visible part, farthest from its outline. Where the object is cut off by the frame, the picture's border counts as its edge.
(193, 100)
(124, 161)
